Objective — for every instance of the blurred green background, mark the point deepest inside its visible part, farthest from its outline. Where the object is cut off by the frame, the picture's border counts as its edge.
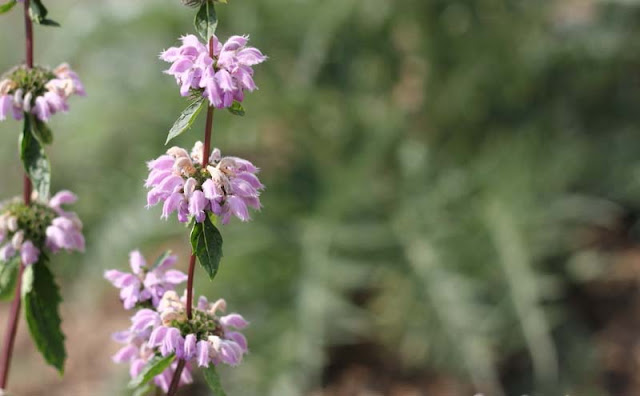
(452, 203)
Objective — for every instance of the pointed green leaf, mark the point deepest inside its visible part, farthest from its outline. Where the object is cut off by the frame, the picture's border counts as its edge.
(41, 301)
(206, 20)
(6, 7)
(42, 132)
(213, 380)
(37, 11)
(186, 119)
(49, 22)
(34, 159)
(236, 108)
(8, 276)
(143, 390)
(206, 243)
(156, 366)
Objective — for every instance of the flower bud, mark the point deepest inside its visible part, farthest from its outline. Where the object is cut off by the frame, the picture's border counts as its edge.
(6, 85)
(17, 98)
(178, 152)
(26, 104)
(12, 223)
(17, 239)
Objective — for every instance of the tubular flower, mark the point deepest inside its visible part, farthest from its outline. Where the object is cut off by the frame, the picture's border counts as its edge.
(39, 91)
(31, 230)
(145, 283)
(137, 353)
(223, 78)
(226, 186)
(205, 339)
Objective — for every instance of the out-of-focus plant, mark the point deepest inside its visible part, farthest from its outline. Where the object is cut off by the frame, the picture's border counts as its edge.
(35, 227)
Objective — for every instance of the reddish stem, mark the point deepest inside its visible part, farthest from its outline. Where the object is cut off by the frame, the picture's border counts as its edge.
(209, 125)
(173, 388)
(12, 326)
(206, 150)
(192, 264)
(28, 27)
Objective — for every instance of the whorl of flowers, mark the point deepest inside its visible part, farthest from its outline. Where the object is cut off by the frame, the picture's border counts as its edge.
(31, 230)
(39, 91)
(164, 330)
(137, 352)
(226, 186)
(147, 284)
(222, 78)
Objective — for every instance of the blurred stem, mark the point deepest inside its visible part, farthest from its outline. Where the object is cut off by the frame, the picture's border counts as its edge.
(12, 326)
(192, 264)
(173, 388)
(206, 150)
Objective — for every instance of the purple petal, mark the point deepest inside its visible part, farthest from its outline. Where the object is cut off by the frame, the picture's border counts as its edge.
(234, 320)
(203, 353)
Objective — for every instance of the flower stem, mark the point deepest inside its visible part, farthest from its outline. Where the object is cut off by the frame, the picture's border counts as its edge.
(12, 326)
(10, 335)
(206, 151)
(173, 388)
(192, 264)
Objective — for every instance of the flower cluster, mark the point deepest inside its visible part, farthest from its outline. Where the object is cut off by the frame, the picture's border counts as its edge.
(221, 78)
(226, 186)
(161, 327)
(38, 91)
(147, 284)
(138, 354)
(30, 230)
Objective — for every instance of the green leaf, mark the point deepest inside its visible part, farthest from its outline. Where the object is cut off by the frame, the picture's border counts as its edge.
(37, 11)
(34, 159)
(8, 276)
(206, 20)
(143, 390)
(236, 108)
(49, 22)
(206, 242)
(156, 365)
(186, 119)
(41, 301)
(213, 380)
(6, 7)
(42, 132)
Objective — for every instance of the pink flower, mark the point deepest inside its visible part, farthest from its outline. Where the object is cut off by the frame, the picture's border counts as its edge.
(42, 103)
(145, 284)
(230, 186)
(221, 78)
(62, 229)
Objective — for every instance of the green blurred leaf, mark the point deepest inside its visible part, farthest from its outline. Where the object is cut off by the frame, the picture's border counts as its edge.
(206, 20)
(236, 108)
(6, 7)
(41, 301)
(35, 160)
(143, 390)
(155, 366)
(49, 22)
(206, 242)
(8, 276)
(186, 119)
(37, 11)
(213, 380)
(42, 132)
